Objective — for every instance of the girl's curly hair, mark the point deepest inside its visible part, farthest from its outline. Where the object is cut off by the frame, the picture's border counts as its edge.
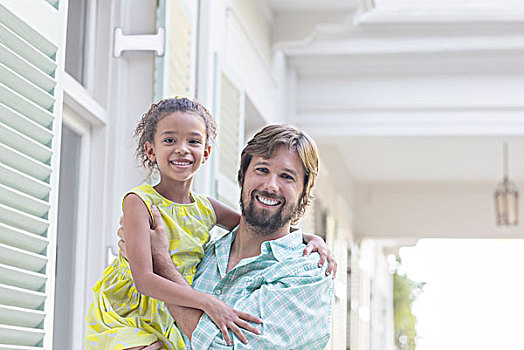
(145, 131)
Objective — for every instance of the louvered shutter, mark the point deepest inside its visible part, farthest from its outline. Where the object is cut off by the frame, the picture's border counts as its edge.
(31, 59)
(230, 139)
(173, 71)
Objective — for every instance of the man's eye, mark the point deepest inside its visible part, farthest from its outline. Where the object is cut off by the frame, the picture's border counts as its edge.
(262, 170)
(287, 177)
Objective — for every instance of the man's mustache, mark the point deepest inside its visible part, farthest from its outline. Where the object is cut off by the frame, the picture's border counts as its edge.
(268, 195)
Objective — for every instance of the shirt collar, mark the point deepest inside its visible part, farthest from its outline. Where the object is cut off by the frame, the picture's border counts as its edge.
(280, 248)
(283, 246)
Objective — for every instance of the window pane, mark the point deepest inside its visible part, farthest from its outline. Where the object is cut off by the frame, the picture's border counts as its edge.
(76, 22)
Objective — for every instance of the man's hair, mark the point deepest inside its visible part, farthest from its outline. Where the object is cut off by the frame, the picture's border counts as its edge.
(272, 137)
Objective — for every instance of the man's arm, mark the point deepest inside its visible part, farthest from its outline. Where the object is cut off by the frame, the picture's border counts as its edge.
(186, 318)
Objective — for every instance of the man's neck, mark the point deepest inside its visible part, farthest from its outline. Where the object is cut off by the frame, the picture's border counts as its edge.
(248, 242)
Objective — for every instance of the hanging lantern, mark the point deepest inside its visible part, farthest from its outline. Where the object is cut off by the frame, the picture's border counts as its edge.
(506, 198)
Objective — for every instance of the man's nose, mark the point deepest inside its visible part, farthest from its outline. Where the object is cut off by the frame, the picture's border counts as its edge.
(271, 184)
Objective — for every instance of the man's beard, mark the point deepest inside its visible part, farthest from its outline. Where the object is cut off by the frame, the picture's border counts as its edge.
(260, 219)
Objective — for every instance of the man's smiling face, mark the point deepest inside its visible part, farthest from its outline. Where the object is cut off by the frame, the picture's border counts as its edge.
(272, 190)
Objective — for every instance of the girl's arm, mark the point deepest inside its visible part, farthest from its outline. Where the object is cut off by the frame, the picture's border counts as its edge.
(138, 247)
(316, 244)
(227, 218)
(138, 251)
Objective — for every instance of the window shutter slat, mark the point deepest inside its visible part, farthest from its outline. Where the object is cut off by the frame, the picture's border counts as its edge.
(23, 202)
(22, 143)
(18, 238)
(20, 335)
(21, 258)
(21, 182)
(28, 51)
(24, 163)
(53, 3)
(21, 278)
(26, 88)
(18, 347)
(26, 69)
(19, 297)
(25, 125)
(23, 221)
(27, 33)
(24, 106)
(20, 317)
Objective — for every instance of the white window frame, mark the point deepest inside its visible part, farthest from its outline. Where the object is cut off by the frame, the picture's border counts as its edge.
(78, 125)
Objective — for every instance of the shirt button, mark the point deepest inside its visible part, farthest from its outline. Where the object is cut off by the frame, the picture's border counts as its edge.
(218, 292)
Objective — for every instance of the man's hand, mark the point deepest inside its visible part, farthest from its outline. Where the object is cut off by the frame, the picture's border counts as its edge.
(122, 241)
(159, 241)
(158, 237)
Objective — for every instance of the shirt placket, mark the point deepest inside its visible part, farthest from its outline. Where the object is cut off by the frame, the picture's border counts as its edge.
(229, 287)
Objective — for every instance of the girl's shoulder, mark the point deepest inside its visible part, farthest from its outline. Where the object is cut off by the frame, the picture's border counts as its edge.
(147, 194)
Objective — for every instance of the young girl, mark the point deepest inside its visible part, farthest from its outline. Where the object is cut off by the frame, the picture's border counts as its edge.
(129, 300)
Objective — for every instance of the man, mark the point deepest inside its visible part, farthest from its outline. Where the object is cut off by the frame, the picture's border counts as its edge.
(258, 268)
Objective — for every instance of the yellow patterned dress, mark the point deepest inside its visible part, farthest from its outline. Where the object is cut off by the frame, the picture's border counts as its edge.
(119, 316)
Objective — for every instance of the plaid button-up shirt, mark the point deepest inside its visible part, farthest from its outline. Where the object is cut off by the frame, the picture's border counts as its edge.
(289, 292)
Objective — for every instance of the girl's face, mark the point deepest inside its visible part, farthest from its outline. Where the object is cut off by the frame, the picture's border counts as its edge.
(179, 146)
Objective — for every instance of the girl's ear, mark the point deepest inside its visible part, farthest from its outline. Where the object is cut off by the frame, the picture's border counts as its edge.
(150, 151)
(207, 152)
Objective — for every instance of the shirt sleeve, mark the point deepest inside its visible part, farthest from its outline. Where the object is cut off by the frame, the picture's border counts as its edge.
(295, 310)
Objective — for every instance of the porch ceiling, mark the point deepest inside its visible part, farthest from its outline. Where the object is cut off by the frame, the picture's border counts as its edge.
(406, 94)
(426, 159)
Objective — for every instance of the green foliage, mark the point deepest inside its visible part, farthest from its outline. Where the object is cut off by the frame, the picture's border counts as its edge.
(405, 292)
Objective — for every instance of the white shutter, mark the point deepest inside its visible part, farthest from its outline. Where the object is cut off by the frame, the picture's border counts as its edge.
(173, 72)
(31, 60)
(230, 136)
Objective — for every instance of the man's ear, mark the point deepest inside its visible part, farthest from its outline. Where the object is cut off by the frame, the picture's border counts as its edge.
(150, 151)
(207, 152)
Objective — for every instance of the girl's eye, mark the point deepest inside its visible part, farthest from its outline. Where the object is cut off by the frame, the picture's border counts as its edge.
(196, 142)
(169, 140)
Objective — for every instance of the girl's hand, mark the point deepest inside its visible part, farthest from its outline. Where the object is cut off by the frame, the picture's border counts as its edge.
(225, 317)
(317, 244)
